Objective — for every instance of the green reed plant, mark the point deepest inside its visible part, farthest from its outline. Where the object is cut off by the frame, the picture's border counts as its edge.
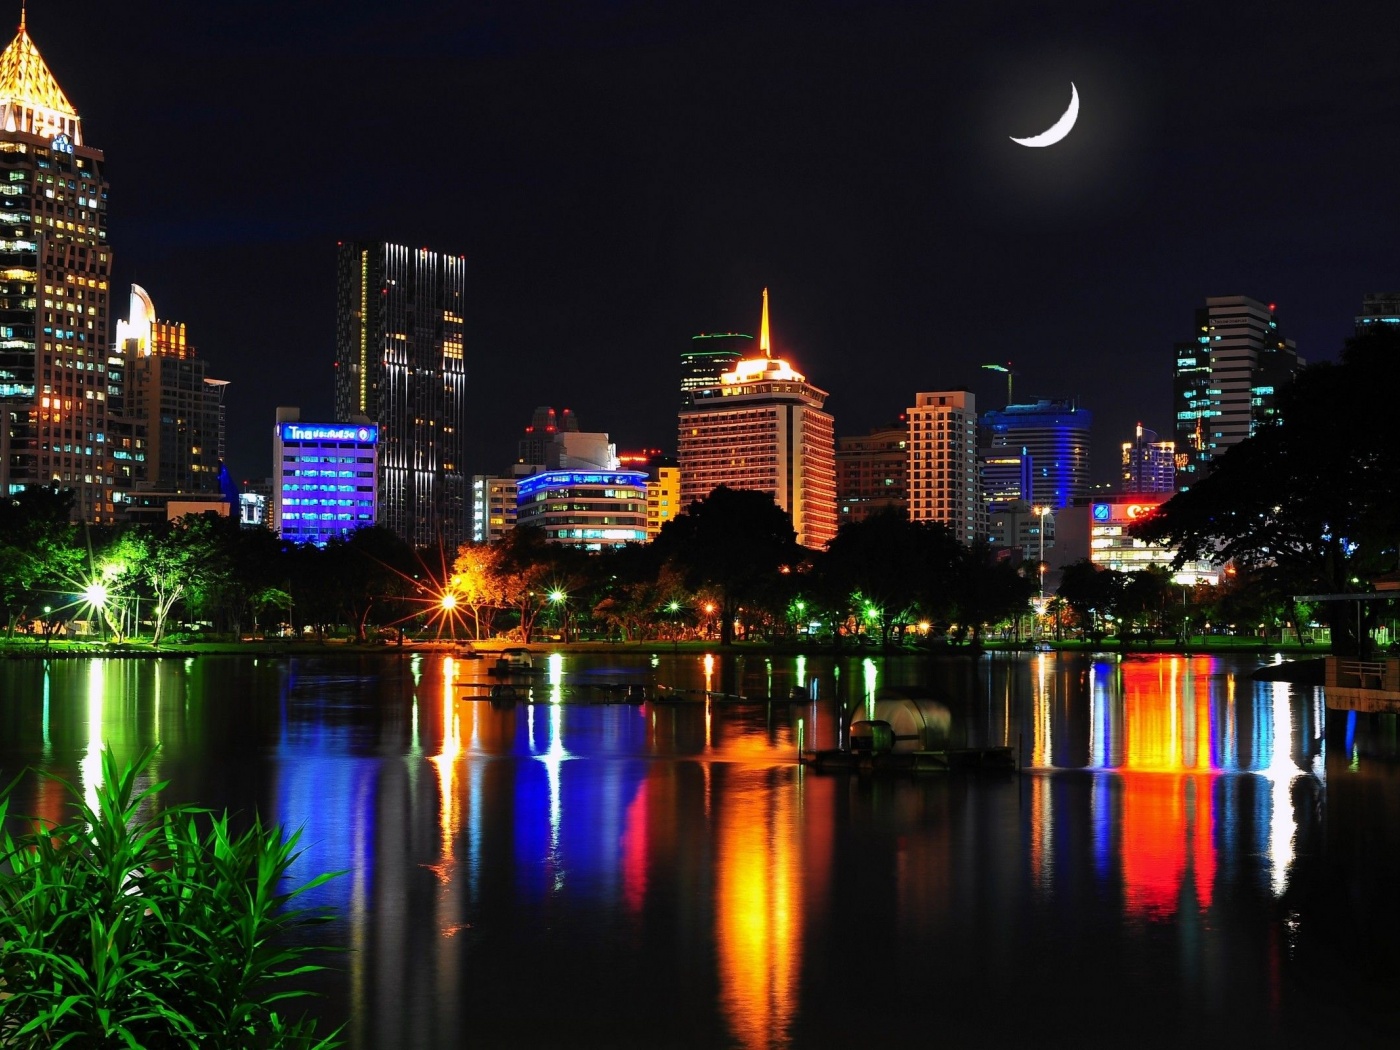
(144, 927)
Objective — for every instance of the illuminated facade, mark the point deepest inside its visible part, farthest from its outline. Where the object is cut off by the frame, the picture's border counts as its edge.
(663, 496)
(709, 357)
(1379, 310)
(399, 364)
(1054, 435)
(174, 408)
(1110, 546)
(1227, 380)
(763, 428)
(590, 509)
(944, 484)
(323, 478)
(55, 269)
(872, 472)
(1149, 465)
(540, 434)
(493, 507)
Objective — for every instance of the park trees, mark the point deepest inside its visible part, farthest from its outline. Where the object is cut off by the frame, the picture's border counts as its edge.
(39, 552)
(730, 542)
(1313, 497)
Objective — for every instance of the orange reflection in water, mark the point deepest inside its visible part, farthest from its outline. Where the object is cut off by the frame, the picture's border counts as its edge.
(758, 908)
(1167, 816)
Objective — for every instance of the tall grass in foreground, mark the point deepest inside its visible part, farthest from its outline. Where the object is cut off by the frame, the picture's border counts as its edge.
(131, 927)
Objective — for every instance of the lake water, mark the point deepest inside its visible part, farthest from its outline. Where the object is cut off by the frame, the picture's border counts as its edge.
(1187, 856)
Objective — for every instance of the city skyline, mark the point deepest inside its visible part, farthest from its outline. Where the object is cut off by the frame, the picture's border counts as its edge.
(620, 180)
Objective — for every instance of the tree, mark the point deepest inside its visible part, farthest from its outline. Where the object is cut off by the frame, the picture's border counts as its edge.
(986, 589)
(39, 551)
(1090, 592)
(886, 560)
(181, 557)
(478, 582)
(731, 541)
(1312, 500)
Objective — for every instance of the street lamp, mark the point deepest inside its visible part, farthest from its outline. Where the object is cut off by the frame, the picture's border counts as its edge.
(559, 599)
(1007, 369)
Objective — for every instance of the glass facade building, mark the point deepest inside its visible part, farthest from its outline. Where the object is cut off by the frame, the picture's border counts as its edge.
(591, 509)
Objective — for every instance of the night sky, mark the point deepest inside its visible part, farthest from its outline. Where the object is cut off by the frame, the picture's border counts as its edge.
(622, 176)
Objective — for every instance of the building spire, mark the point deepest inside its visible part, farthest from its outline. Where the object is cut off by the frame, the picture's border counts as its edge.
(763, 342)
(22, 4)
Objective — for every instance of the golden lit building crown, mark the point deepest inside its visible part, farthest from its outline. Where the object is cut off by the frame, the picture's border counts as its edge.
(30, 98)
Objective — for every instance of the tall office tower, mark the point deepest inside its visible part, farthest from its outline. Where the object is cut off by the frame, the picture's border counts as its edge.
(1149, 465)
(54, 271)
(398, 360)
(1379, 309)
(1006, 475)
(711, 354)
(943, 481)
(762, 427)
(1227, 380)
(872, 472)
(172, 402)
(1055, 435)
(539, 433)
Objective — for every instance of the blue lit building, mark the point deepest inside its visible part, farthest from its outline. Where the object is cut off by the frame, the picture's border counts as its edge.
(323, 478)
(591, 509)
(1053, 436)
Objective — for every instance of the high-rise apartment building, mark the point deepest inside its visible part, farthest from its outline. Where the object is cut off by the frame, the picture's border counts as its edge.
(172, 404)
(55, 267)
(1149, 465)
(943, 480)
(711, 354)
(1227, 380)
(663, 494)
(399, 364)
(763, 428)
(872, 472)
(1054, 436)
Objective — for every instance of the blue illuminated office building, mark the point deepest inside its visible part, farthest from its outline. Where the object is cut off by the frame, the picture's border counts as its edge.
(591, 509)
(1052, 440)
(323, 478)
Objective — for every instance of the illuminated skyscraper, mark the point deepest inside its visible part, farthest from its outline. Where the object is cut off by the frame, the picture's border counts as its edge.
(54, 271)
(1149, 465)
(175, 409)
(399, 364)
(1227, 380)
(710, 355)
(1054, 436)
(763, 428)
(944, 485)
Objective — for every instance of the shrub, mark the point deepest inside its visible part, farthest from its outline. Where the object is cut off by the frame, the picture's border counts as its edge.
(135, 927)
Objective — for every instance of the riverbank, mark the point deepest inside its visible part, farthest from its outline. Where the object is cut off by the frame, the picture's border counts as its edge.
(26, 648)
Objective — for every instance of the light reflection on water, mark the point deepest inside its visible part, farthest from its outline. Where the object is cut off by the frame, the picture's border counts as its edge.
(677, 850)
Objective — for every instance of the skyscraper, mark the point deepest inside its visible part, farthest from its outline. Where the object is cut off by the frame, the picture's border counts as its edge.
(1227, 380)
(943, 480)
(1149, 465)
(1379, 309)
(762, 427)
(1054, 435)
(172, 403)
(399, 364)
(54, 272)
(710, 355)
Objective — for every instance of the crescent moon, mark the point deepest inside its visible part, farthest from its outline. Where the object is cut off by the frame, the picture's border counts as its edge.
(1057, 130)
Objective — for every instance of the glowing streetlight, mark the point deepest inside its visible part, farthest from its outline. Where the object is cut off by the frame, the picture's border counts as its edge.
(1042, 511)
(558, 598)
(1007, 369)
(96, 595)
(447, 602)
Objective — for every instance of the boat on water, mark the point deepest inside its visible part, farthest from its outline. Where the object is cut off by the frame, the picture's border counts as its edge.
(515, 660)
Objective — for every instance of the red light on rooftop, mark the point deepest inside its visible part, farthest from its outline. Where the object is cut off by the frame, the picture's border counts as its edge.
(1273, 307)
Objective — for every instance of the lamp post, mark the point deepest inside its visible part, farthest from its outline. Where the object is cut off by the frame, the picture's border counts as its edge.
(1007, 369)
(560, 601)
(1040, 568)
